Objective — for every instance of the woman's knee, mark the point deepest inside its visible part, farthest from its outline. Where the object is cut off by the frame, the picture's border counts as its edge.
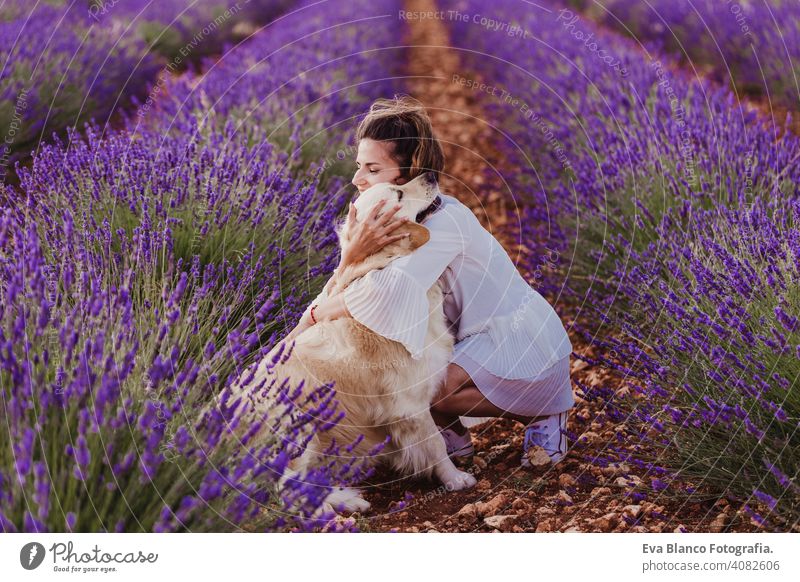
(456, 379)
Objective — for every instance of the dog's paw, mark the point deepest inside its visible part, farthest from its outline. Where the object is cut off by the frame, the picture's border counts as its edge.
(347, 499)
(459, 480)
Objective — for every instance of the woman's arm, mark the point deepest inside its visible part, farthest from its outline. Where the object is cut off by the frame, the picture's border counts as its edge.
(305, 320)
(325, 307)
(331, 308)
(367, 237)
(386, 298)
(393, 301)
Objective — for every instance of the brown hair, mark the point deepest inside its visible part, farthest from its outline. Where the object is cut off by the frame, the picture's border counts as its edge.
(404, 122)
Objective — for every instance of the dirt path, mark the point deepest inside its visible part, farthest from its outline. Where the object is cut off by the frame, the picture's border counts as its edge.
(576, 495)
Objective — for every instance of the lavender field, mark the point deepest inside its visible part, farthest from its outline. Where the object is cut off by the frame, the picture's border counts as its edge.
(171, 178)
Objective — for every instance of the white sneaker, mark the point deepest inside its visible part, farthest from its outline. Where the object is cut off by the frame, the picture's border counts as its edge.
(547, 434)
(458, 445)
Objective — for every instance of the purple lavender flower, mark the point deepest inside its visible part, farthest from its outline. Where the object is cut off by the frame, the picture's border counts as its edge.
(683, 249)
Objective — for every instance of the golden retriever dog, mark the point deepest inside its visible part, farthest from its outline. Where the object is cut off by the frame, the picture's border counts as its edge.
(381, 389)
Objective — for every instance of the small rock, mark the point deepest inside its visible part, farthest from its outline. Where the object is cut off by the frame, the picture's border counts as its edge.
(599, 491)
(573, 529)
(680, 529)
(605, 523)
(564, 497)
(469, 510)
(343, 521)
(520, 505)
(483, 485)
(498, 449)
(493, 506)
(538, 457)
(566, 480)
(632, 510)
(593, 378)
(545, 511)
(616, 469)
(719, 523)
(479, 462)
(544, 526)
(578, 365)
(501, 522)
(429, 526)
(629, 481)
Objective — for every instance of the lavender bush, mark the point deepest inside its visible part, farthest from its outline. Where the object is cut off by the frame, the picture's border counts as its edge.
(299, 85)
(142, 274)
(184, 32)
(191, 241)
(64, 63)
(56, 70)
(107, 428)
(752, 45)
(678, 212)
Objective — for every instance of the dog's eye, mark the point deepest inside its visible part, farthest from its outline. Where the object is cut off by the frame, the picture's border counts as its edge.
(399, 195)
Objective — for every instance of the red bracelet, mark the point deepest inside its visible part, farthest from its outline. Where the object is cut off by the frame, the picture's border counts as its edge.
(311, 313)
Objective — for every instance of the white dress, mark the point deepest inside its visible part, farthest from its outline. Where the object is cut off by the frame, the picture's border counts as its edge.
(508, 337)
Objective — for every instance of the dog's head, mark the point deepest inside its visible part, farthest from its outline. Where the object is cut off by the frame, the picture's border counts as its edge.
(414, 197)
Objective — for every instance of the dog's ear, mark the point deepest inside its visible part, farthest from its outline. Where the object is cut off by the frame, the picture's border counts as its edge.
(419, 234)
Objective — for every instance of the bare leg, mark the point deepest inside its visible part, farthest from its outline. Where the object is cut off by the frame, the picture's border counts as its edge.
(460, 397)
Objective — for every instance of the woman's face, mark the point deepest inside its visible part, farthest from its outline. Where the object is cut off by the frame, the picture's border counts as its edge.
(375, 165)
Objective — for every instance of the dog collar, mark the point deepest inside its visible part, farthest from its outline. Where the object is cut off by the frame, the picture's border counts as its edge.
(433, 207)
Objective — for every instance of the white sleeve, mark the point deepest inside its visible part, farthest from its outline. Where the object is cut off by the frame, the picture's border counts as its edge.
(393, 301)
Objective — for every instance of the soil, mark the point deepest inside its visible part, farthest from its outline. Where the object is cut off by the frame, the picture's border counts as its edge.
(575, 494)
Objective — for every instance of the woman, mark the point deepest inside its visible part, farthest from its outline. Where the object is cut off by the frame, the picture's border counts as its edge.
(511, 357)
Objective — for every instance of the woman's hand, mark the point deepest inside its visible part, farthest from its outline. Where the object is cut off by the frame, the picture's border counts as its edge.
(370, 235)
(327, 309)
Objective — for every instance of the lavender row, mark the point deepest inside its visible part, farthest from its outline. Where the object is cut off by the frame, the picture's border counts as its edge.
(183, 31)
(104, 404)
(673, 216)
(148, 269)
(753, 46)
(64, 63)
(56, 69)
(299, 85)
